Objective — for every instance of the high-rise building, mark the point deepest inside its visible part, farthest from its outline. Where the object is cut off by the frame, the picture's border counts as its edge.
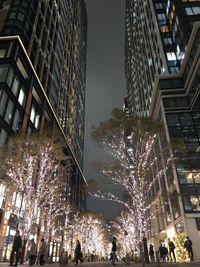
(42, 76)
(162, 78)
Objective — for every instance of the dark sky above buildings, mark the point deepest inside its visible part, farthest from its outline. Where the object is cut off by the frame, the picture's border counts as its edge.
(105, 83)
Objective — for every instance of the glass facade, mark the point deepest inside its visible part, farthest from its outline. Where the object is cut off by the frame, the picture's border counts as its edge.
(54, 35)
(42, 85)
(163, 81)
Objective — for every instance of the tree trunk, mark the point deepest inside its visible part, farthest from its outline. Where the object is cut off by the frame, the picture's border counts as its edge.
(23, 253)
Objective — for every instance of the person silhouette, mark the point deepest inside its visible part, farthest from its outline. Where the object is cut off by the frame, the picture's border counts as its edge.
(16, 249)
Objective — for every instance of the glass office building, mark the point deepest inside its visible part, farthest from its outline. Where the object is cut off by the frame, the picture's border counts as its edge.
(163, 81)
(42, 80)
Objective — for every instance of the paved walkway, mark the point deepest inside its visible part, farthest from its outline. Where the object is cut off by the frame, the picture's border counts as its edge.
(118, 264)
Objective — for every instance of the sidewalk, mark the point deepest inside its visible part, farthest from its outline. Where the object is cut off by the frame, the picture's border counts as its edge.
(118, 264)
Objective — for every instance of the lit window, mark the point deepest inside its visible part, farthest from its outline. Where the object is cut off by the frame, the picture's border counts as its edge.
(196, 10)
(192, 10)
(37, 119)
(2, 53)
(21, 98)
(171, 56)
(32, 116)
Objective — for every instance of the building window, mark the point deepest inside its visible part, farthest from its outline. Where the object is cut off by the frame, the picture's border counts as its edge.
(191, 203)
(35, 117)
(2, 53)
(9, 111)
(10, 77)
(190, 11)
(20, 16)
(12, 15)
(3, 72)
(173, 119)
(3, 101)
(15, 86)
(16, 121)
(22, 97)
(171, 56)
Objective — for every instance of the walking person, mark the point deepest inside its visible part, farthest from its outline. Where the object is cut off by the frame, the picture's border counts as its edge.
(151, 253)
(16, 249)
(165, 253)
(78, 253)
(161, 252)
(32, 253)
(171, 250)
(188, 246)
(42, 252)
(114, 250)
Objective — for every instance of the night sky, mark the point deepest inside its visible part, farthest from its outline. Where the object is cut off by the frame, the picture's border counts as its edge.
(105, 82)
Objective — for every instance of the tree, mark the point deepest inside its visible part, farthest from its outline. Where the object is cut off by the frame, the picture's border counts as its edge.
(125, 231)
(92, 233)
(34, 164)
(130, 140)
(181, 252)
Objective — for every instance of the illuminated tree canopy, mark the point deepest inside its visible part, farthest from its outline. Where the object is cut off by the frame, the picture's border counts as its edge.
(130, 140)
(35, 173)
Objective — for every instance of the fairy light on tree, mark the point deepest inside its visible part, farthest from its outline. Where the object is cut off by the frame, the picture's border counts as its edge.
(40, 181)
(125, 231)
(92, 233)
(130, 141)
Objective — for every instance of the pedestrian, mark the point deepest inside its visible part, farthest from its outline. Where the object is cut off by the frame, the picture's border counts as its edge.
(165, 253)
(114, 250)
(188, 246)
(151, 253)
(42, 252)
(16, 249)
(78, 253)
(161, 252)
(171, 250)
(32, 253)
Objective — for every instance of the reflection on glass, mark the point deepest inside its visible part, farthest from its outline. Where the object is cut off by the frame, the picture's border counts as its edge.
(9, 112)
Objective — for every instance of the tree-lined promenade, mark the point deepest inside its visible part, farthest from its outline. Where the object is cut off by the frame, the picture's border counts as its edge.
(37, 193)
